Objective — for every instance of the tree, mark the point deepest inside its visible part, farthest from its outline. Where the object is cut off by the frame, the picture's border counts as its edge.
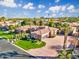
(23, 23)
(12, 27)
(35, 22)
(66, 31)
(51, 24)
(2, 19)
(66, 28)
(0, 26)
(40, 22)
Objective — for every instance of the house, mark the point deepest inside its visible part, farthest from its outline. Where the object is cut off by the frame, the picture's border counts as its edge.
(29, 28)
(44, 33)
(75, 35)
(39, 32)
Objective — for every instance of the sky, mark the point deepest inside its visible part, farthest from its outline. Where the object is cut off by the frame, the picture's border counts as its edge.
(39, 8)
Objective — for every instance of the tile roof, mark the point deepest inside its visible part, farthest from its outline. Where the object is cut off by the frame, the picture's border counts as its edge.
(44, 31)
(40, 29)
(24, 28)
(8, 23)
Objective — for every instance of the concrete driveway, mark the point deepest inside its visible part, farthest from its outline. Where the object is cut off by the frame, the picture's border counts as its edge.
(8, 51)
(52, 45)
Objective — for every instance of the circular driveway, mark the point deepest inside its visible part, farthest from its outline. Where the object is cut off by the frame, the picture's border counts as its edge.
(52, 45)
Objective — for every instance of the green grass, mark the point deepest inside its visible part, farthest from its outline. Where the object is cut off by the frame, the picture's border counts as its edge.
(6, 35)
(25, 44)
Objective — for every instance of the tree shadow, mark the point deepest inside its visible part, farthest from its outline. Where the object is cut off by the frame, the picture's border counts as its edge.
(56, 47)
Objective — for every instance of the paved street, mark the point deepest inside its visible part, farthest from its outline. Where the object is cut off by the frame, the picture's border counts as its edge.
(8, 51)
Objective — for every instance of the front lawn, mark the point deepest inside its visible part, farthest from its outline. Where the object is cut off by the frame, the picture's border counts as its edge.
(3, 34)
(25, 44)
(28, 44)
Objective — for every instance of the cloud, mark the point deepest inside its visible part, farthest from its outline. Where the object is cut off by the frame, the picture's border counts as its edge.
(53, 15)
(20, 5)
(8, 3)
(71, 8)
(47, 11)
(57, 8)
(41, 6)
(62, 14)
(56, 1)
(38, 11)
(63, 10)
(29, 6)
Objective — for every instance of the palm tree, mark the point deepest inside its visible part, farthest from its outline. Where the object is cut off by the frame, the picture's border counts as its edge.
(0, 27)
(34, 22)
(40, 22)
(77, 37)
(66, 29)
(30, 28)
(11, 30)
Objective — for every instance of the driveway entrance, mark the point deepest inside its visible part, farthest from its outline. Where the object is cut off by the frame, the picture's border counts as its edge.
(52, 45)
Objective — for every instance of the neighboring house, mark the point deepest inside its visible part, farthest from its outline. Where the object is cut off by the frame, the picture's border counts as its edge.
(11, 23)
(73, 24)
(74, 27)
(4, 25)
(5, 28)
(76, 35)
(22, 28)
(75, 30)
